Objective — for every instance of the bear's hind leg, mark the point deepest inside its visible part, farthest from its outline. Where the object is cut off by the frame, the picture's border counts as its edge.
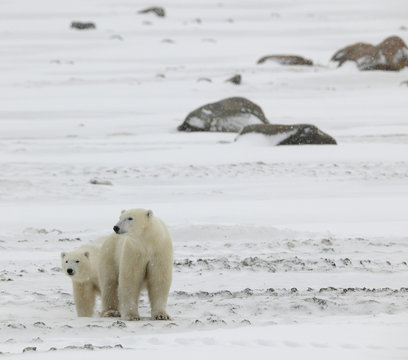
(109, 295)
(132, 273)
(158, 287)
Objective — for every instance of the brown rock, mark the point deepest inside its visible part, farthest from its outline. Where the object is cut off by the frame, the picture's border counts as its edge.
(390, 55)
(298, 134)
(286, 60)
(227, 115)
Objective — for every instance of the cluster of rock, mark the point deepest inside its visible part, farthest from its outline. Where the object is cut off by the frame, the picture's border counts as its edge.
(390, 55)
(242, 116)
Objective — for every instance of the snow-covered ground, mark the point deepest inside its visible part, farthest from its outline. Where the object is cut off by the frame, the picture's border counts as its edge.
(279, 251)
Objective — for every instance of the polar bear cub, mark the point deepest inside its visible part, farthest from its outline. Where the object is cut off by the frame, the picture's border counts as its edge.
(81, 265)
(140, 255)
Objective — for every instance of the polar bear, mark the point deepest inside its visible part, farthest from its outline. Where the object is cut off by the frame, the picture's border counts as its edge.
(139, 255)
(81, 265)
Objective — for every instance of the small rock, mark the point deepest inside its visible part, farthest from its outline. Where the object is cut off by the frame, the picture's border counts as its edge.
(83, 25)
(236, 79)
(16, 326)
(204, 79)
(118, 324)
(286, 60)
(198, 323)
(100, 182)
(29, 348)
(159, 11)
(40, 324)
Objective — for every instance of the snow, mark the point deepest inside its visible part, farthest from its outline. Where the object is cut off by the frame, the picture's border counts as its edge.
(264, 140)
(279, 251)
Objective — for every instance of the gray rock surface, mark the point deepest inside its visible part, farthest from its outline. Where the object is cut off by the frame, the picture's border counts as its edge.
(227, 115)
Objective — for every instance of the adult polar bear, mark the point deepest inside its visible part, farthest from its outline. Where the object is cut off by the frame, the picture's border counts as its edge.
(141, 255)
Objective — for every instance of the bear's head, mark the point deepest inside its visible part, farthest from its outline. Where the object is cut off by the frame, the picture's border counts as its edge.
(133, 221)
(76, 264)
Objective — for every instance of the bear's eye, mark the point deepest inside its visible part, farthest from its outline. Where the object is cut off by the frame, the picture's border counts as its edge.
(66, 261)
(77, 261)
(130, 218)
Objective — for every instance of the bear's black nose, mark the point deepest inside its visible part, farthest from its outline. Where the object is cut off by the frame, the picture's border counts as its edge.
(116, 229)
(70, 271)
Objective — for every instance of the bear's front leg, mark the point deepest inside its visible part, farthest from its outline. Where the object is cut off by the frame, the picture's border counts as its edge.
(132, 272)
(108, 280)
(84, 296)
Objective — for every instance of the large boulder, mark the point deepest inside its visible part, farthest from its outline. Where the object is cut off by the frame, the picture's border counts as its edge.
(299, 134)
(286, 60)
(391, 55)
(228, 115)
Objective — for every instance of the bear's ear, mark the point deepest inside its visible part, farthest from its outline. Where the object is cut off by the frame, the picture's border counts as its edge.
(86, 253)
(63, 255)
(149, 214)
(122, 211)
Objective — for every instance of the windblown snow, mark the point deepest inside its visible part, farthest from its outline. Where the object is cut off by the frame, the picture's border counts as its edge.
(286, 252)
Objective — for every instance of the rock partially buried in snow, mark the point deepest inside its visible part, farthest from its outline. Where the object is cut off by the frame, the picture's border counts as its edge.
(227, 115)
(83, 25)
(236, 79)
(159, 11)
(286, 60)
(299, 134)
(390, 55)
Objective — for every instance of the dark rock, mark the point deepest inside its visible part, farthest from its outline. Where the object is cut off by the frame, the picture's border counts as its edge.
(83, 25)
(390, 55)
(299, 134)
(286, 60)
(29, 348)
(159, 11)
(227, 115)
(100, 182)
(236, 79)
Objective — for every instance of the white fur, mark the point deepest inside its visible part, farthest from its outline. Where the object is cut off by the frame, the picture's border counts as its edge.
(141, 255)
(81, 265)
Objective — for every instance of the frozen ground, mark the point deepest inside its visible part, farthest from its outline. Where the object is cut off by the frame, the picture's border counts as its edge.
(279, 251)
